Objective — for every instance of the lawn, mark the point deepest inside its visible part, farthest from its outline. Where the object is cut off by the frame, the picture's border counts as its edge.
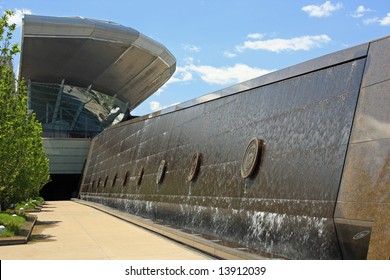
(12, 223)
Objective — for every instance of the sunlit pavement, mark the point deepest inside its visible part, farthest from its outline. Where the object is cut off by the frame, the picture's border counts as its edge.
(66, 230)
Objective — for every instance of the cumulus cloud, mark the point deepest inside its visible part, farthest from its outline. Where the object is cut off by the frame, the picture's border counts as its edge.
(360, 12)
(181, 75)
(385, 21)
(226, 75)
(155, 106)
(229, 54)
(323, 10)
(255, 36)
(18, 16)
(371, 20)
(278, 45)
(191, 48)
(216, 75)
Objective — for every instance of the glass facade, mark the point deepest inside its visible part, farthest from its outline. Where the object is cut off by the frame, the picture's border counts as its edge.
(67, 111)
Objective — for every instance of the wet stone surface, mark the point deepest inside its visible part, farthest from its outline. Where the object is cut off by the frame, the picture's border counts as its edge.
(285, 207)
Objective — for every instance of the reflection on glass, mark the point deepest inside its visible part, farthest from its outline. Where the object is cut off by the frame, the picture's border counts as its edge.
(72, 112)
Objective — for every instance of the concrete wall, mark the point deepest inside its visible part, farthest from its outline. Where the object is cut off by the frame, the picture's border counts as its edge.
(303, 117)
(66, 156)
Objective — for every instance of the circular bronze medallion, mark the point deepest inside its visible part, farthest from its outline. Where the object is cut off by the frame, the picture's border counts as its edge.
(251, 157)
(139, 176)
(161, 171)
(194, 168)
(361, 234)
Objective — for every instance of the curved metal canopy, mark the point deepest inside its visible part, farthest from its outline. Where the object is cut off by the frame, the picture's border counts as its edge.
(115, 60)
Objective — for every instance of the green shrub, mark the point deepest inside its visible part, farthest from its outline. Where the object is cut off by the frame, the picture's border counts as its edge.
(39, 199)
(29, 204)
(12, 224)
(24, 165)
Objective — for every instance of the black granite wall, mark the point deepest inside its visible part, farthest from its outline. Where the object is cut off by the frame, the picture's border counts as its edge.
(285, 207)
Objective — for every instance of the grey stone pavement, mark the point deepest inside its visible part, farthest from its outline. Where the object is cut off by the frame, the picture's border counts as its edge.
(66, 230)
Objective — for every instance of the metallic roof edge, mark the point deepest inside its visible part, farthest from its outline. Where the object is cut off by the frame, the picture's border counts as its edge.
(36, 27)
(42, 26)
(87, 28)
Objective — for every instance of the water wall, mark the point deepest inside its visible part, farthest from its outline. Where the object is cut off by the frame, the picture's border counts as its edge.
(261, 164)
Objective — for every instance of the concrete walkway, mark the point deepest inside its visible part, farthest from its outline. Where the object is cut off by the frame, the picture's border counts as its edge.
(66, 230)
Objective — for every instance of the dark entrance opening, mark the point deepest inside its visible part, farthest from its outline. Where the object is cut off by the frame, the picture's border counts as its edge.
(61, 187)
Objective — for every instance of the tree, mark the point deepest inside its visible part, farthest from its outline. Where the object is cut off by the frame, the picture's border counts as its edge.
(24, 167)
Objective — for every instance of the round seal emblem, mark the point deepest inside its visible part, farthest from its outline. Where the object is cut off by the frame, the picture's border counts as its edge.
(361, 234)
(195, 165)
(161, 172)
(139, 176)
(251, 157)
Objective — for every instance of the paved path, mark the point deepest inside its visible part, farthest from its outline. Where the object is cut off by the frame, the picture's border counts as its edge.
(66, 230)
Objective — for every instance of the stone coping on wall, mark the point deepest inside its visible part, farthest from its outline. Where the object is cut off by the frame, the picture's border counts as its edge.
(196, 241)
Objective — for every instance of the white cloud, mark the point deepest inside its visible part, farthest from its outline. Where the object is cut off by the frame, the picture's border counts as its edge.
(226, 75)
(155, 106)
(323, 10)
(160, 90)
(181, 75)
(188, 60)
(294, 44)
(255, 36)
(215, 75)
(360, 12)
(229, 54)
(191, 48)
(371, 20)
(18, 16)
(385, 21)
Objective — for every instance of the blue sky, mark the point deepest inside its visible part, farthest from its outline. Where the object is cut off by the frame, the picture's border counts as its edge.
(218, 43)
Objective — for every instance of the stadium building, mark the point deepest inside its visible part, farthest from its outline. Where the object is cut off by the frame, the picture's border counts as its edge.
(83, 76)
